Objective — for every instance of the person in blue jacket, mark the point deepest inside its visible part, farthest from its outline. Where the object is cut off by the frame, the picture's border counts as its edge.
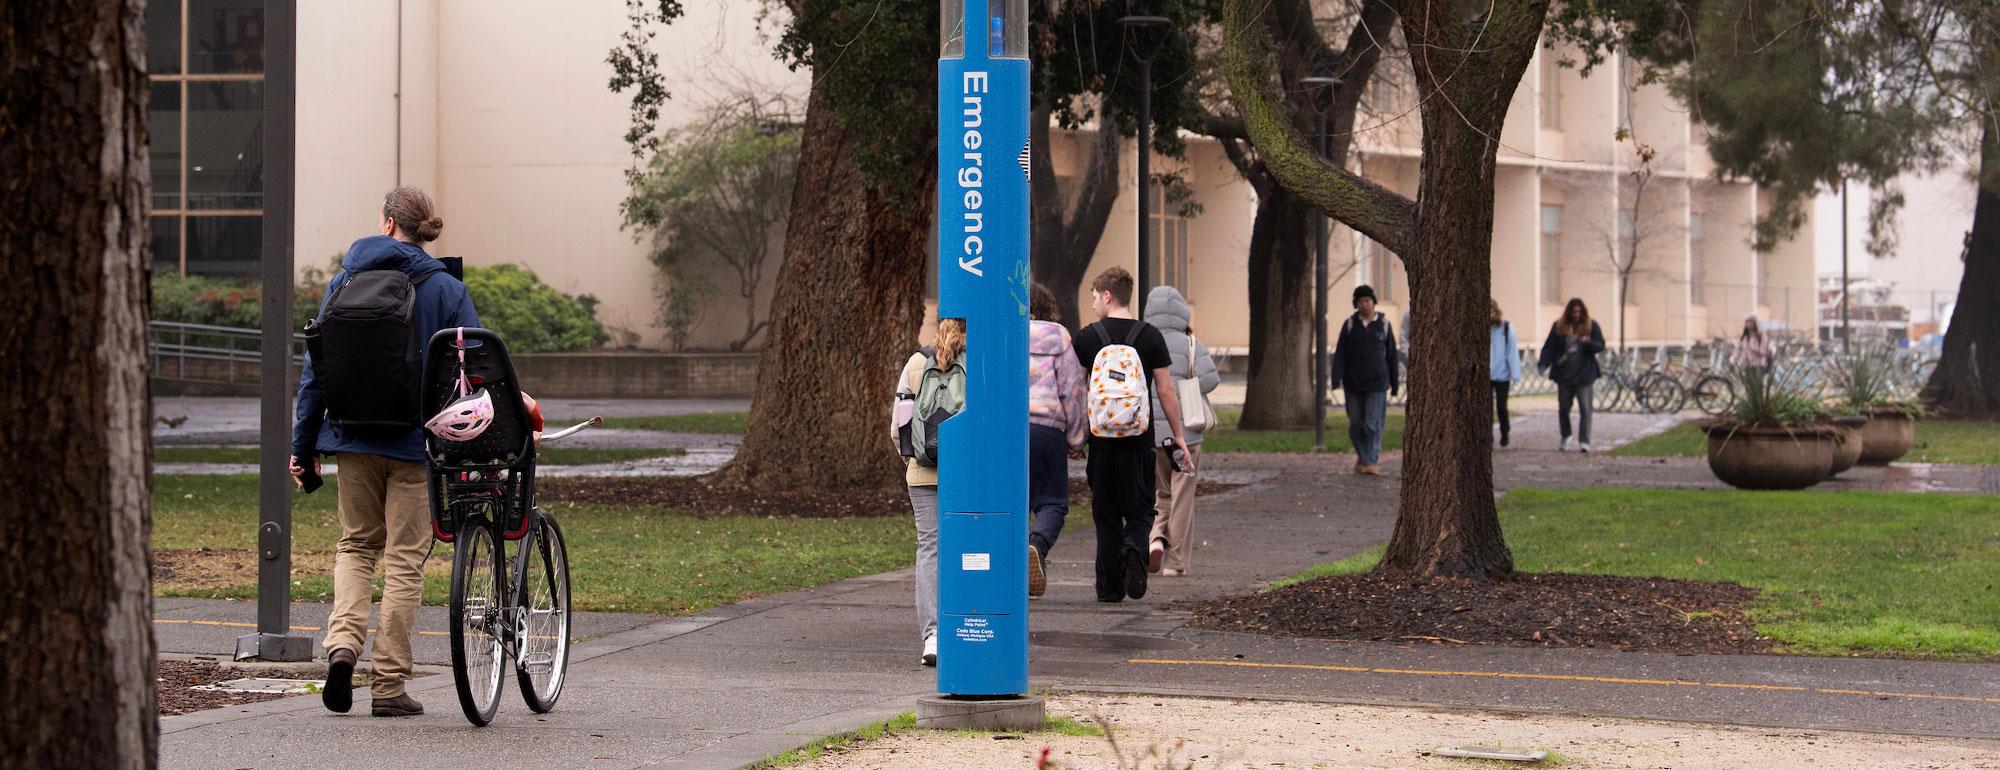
(383, 480)
(1365, 363)
(1503, 366)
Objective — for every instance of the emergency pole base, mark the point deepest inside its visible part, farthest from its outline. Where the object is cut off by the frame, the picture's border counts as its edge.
(1012, 712)
(275, 648)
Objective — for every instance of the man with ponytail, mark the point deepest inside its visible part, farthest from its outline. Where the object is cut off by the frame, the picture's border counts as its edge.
(349, 408)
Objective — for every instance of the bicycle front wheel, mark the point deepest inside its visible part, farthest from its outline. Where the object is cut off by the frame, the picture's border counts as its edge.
(545, 635)
(1659, 393)
(477, 617)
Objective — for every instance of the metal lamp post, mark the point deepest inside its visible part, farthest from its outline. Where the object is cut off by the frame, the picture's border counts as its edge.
(1321, 375)
(1145, 43)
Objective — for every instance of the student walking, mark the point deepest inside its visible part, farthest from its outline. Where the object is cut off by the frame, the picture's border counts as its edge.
(1569, 357)
(1503, 366)
(1057, 426)
(1172, 544)
(1365, 364)
(1752, 351)
(347, 408)
(929, 379)
(1129, 368)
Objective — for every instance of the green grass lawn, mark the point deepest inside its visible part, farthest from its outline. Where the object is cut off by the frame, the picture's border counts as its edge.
(705, 422)
(1227, 439)
(1937, 441)
(551, 455)
(1855, 572)
(622, 559)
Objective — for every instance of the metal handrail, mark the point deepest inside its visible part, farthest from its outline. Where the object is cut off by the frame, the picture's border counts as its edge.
(173, 344)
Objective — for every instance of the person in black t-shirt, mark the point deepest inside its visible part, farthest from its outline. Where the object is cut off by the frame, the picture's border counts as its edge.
(1122, 469)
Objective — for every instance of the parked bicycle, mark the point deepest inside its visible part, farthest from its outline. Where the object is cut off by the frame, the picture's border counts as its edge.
(482, 481)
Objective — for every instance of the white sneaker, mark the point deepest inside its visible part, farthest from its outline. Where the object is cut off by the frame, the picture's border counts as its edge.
(930, 650)
(1586, 449)
(1563, 445)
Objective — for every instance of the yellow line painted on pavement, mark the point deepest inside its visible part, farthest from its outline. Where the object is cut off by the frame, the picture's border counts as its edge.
(1566, 678)
(235, 624)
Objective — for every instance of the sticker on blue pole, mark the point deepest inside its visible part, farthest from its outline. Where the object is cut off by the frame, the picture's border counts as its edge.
(983, 278)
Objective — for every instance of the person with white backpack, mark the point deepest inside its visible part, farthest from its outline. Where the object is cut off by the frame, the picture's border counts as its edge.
(1194, 375)
(1129, 368)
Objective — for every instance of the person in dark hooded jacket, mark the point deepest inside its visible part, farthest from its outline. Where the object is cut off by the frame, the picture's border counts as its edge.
(383, 482)
(1569, 357)
(1365, 366)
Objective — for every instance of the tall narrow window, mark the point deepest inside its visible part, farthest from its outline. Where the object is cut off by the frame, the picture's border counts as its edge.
(207, 122)
(1169, 231)
(1551, 90)
(1377, 271)
(1697, 259)
(1551, 254)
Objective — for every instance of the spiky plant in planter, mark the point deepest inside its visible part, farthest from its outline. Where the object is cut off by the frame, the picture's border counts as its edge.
(1775, 439)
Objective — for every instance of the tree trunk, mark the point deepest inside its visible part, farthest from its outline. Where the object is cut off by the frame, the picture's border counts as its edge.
(1279, 388)
(1065, 234)
(76, 673)
(849, 299)
(1967, 380)
(1448, 525)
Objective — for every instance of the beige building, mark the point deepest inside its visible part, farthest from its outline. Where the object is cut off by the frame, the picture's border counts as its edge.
(500, 109)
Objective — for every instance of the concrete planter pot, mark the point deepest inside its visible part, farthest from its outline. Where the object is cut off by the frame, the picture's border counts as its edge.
(1848, 441)
(1770, 457)
(1887, 436)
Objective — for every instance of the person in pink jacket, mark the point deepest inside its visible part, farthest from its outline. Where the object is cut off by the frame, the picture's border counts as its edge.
(1057, 424)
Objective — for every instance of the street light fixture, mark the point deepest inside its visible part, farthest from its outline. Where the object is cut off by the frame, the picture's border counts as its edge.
(1327, 85)
(1144, 40)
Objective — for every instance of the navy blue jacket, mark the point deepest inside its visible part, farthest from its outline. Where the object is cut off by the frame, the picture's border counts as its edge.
(1575, 368)
(1364, 356)
(441, 303)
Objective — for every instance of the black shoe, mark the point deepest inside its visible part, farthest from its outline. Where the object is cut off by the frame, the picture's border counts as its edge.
(1503, 439)
(1111, 599)
(338, 693)
(1135, 573)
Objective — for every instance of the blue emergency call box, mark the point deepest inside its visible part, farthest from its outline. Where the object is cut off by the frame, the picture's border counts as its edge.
(983, 278)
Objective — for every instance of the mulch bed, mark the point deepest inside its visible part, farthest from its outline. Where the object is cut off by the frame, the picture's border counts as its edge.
(177, 676)
(698, 496)
(1529, 610)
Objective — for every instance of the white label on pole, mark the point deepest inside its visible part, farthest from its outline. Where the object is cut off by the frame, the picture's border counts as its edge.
(975, 562)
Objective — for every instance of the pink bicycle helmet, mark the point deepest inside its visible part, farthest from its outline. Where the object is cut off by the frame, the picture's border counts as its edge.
(463, 419)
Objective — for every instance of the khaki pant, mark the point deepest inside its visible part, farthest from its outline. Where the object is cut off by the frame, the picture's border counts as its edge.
(384, 518)
(1173, 508)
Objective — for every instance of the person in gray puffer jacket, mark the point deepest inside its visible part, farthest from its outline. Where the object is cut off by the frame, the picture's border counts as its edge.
(1173, 520)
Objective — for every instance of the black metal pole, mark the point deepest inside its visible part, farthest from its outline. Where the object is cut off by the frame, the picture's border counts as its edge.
(1320, 373)
(274, 639)
(1145, 186)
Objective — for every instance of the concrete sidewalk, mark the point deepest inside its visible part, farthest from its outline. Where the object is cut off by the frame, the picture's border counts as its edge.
(736, 684)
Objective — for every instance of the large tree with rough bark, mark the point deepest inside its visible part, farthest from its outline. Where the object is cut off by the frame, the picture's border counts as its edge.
(1798, 95)
(850, 294)
(76, 636)
(1278, 393)
(1467, 57)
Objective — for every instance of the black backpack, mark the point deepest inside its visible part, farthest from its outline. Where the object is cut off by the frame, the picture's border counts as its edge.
(366, 357)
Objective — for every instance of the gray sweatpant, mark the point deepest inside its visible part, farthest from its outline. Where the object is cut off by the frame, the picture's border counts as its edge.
(924, 502)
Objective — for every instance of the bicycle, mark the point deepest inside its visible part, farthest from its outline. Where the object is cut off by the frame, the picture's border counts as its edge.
(482, 497)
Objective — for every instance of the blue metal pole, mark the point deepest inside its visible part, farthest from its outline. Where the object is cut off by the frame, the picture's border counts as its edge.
(983, 278)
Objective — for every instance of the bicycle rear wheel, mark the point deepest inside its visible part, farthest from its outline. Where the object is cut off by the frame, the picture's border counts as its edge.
(545, 635)
(1659, 393)
(1713, 395)
(477, 616)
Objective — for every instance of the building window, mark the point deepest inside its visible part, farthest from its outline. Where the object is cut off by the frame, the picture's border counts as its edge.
(1377, 271)
(1551, 91)
(1169, 231)
(1551, 254)
(1697, 267)
(207, 112)
(1757, 266)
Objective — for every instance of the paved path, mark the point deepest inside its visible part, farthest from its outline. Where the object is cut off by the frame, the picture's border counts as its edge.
(184, 421)
(733, 685)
